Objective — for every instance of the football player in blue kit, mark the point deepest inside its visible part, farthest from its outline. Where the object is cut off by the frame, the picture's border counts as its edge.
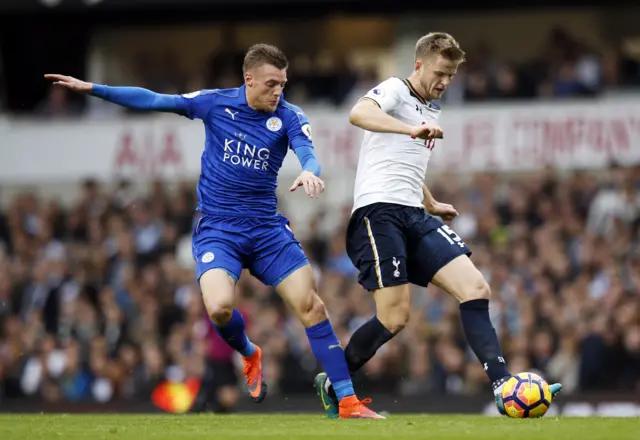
(249, 130)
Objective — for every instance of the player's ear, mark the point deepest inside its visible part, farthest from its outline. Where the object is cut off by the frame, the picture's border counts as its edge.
(248, 79)
(418, 66)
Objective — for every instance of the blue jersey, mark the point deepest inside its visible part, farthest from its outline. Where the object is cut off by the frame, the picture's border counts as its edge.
(244, 150)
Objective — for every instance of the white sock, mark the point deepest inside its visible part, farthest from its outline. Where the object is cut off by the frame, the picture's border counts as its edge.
(327, 384)
(498, 385)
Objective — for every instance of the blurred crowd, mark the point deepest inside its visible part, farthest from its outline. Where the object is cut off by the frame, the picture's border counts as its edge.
(98, 300)
(565, 68)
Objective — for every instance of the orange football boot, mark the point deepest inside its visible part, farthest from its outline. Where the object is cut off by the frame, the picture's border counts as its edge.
(352, 408)
(255, 379)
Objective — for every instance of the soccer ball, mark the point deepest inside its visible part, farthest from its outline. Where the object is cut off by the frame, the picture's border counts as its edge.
(526, 395)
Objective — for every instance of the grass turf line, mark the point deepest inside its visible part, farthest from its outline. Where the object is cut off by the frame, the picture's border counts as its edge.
(309, 427)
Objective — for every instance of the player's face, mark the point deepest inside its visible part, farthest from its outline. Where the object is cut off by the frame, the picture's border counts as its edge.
(265, 84)
(436, 73)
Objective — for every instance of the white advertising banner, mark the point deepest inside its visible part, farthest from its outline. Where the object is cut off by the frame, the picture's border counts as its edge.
(529, 137)
(476, 138)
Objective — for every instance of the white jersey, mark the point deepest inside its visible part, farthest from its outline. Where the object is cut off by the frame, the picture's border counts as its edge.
(392, 167)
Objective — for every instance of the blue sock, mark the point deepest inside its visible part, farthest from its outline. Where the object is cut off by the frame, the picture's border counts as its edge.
(234, 335)
(343, 388)
(327, 350)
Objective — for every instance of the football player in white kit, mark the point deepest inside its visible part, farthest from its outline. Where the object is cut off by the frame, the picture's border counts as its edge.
(394, 237)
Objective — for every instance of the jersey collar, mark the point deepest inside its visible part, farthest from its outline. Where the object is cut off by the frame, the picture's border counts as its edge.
(242, 94)
(413, 91)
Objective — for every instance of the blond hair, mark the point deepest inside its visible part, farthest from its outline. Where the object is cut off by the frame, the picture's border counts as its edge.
(439, 43)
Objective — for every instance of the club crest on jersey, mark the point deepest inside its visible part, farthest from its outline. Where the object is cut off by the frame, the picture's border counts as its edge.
(208, 257)
(306, 129)
(274, 124)
(378, 92)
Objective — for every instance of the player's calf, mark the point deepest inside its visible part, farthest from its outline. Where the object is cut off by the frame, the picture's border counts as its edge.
(217, 292)
(393, 311)
(393, 305)
(463, 280)
(299, 292)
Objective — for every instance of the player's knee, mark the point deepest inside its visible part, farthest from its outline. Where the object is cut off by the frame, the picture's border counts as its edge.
(217, 294)
(393, 306)
(479, 289)
(398, 322)
(220, 314)
(395, 319)
(219, 308)
(312, 310)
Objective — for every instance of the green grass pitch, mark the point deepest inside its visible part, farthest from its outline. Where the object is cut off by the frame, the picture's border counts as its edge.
(309, 427)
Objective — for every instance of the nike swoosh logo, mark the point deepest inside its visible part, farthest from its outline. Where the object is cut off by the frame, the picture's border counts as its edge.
(324, 403)
(255, 386)
(331, 347)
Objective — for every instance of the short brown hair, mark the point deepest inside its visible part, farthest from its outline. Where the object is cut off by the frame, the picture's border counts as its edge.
(439, 43)
(260, 54)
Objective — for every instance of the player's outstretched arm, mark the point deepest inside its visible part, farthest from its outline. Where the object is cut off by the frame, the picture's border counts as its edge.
(132, 97)
(368, 115)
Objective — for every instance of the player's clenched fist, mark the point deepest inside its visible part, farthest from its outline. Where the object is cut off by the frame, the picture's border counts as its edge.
(313, 185)
(426, 131)
(70, 83)
(443, 210)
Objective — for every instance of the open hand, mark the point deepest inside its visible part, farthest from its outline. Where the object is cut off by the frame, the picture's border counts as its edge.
(70, 83)
(313, 185)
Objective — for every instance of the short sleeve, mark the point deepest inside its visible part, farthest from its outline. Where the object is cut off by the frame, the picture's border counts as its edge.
(197, 105)
(385, 95)
(298, 129)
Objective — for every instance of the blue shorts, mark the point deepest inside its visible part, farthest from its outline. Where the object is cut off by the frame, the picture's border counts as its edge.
(265, 246)
(394, 244)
